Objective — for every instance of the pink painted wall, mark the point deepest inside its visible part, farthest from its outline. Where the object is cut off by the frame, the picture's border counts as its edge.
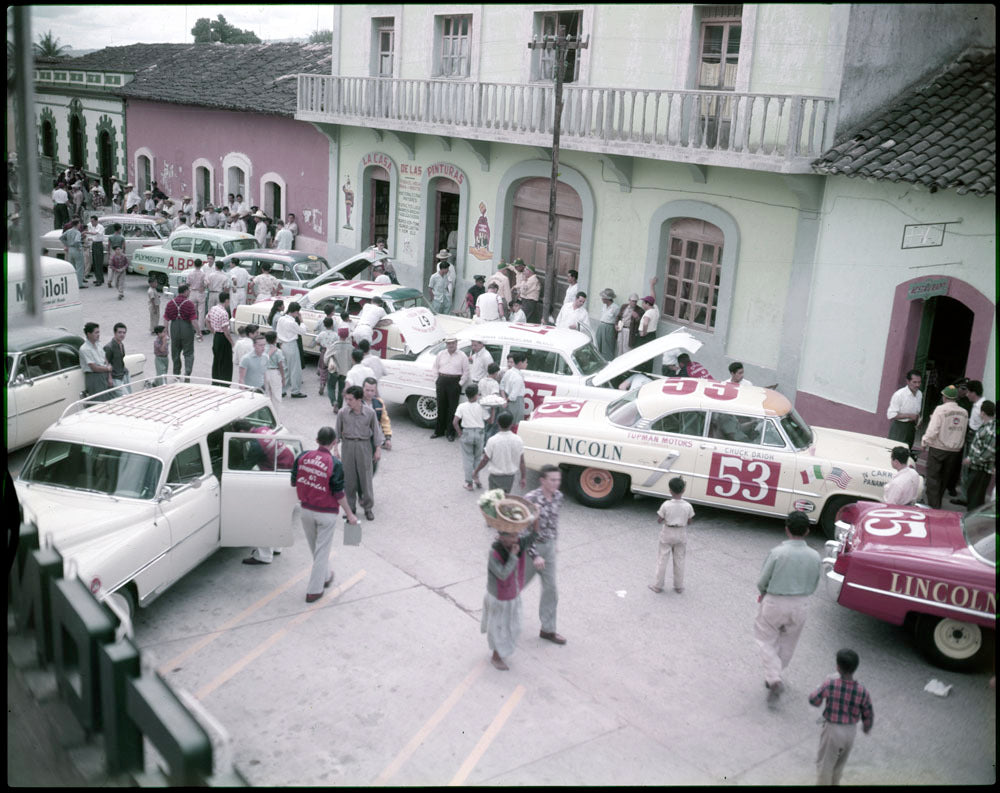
(177, 135)
(900, 351)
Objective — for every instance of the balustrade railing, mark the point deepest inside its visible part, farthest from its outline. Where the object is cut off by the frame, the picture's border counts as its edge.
(764, 125)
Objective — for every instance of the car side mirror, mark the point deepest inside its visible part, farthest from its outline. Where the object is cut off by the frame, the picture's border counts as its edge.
(22, 379)
(166, 493)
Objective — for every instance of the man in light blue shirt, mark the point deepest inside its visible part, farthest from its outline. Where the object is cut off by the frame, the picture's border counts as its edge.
(789, 576)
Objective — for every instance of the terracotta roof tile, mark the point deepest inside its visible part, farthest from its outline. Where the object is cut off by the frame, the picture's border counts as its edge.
(243, 77)
(941, 134)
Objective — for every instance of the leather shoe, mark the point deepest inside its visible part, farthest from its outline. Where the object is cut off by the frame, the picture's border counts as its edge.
(369, 515)
(552, 637)
(313, 598)
(437, 435)
(253, 560)
(299, 396)
(960, 501)
(328, 581)
(451, 439)
(277, 553)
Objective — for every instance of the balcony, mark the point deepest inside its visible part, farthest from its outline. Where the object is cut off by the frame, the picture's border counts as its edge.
(742, 130)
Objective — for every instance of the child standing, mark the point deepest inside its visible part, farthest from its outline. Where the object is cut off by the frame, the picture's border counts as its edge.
(847, 701)
(161, 352)
(243, 347)
(153, 295)
(469, 427)
(275, 370)
(116, 270)
(505, 571)
(325, 339)
(338, 363)
(675, 516)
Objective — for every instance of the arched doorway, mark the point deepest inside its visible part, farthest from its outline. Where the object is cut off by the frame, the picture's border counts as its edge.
(530, 229)
(446, 211)
(143, 176)
(376, 199)
(105, 160)
(943, 346)
(48, 140)
(76, 142)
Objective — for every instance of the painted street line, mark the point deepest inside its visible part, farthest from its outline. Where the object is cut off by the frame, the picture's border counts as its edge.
(432, 722)
(491, 733)
(233, 670)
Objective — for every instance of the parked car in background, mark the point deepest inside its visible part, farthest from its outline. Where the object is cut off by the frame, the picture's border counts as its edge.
(931, 570)
(294, 269)
(137, 491)
(737, 447)
(561, 362)
(139, 231)
(43, 378)
(410, 325)
(186, 245)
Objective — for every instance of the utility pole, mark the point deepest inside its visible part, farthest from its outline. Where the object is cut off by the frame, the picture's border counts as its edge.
(562, 44)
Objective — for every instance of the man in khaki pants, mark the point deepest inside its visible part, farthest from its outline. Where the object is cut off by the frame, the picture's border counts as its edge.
(790, 575)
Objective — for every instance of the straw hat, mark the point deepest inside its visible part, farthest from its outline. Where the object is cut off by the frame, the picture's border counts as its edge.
(443, 254)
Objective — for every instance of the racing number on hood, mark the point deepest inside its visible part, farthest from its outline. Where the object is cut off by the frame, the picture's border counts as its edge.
(755, 481)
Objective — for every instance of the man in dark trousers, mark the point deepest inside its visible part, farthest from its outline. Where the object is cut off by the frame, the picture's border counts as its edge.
(181, 314)
(222, 341)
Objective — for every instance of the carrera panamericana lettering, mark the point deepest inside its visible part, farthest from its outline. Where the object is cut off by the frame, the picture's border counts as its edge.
(943, 592)
(584, 448)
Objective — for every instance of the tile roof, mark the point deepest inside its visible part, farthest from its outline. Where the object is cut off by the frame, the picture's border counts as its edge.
(941, 135)
(244, 77)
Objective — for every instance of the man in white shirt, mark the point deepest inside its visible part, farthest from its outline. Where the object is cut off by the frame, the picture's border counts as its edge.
(131, 198)
(94, 233)
(479, 362)
(369, 317)
(282, 237)
(357, 374)
(512, 387)
(904, 410)
(736, 374)
(293, 227)
(451, 372)
(574, 315)
(488, 305)
(289, 328)
(242, 206)
(187, 207)
(239, 279)
(210, 218)
(572, 288)
(239, 223)
(504, 453)
(260, 229)
(60, 207)
(182, 223)
(904, 487)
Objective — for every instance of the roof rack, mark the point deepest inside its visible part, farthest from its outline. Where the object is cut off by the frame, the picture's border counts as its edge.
(169, 404)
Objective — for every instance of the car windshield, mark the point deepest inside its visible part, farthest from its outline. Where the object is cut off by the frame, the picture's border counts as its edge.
(311, 268)
(798, 432)
(415, 301)
(624, 411)
(588, 360)
(238, 246)
(980, 529)
(163, 229)
(93, 469)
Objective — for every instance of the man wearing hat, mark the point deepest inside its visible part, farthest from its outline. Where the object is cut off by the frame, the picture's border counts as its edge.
(944, 440)
(260, 229)
(503, 283)
(529, 290)
(451, 371)
(131, 198)
(187, 207)
(283, 237)
(116, 195)
(148, 204)
(439, 286)
(606, 327)
(378, 273)
(210, 218)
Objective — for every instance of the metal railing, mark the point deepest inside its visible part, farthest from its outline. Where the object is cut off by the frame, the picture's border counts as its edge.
(610, 119)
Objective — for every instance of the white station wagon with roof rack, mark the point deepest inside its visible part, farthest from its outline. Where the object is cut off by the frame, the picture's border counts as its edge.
(137, 491)
(561, 362)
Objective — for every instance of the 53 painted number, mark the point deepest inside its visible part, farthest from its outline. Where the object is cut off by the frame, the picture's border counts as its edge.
(889, 522)
(755, 481)
(720, 391)
(562, 409)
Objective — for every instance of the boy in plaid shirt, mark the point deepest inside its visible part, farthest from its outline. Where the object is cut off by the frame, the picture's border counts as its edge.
(847, 701)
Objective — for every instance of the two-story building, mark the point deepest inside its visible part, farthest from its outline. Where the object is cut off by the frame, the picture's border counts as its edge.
(203, 120)
(693, 150)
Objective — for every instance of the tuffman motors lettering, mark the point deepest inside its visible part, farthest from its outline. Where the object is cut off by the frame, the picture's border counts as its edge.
(941, 592)
(583, 448)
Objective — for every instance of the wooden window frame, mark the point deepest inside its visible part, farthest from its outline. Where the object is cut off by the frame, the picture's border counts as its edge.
(685, 295)
(453, 62)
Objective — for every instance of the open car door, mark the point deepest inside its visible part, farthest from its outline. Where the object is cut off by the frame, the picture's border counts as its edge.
(257, 493)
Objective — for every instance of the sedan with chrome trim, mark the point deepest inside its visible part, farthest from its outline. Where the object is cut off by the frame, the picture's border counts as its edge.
(737, 447)
(931, 570)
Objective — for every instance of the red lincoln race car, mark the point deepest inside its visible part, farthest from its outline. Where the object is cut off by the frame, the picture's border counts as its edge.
(931, 570)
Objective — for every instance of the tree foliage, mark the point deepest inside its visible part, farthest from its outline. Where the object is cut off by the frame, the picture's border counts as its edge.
(48, 46)
(321, 37)
(207, 30)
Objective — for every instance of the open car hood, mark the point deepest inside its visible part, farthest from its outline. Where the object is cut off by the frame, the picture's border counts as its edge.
(419, 328)
(678, 340)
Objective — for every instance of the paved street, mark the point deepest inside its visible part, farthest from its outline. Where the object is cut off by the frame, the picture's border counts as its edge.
(386, 679)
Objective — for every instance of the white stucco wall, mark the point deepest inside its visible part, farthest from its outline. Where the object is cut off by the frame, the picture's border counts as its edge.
(860, 263)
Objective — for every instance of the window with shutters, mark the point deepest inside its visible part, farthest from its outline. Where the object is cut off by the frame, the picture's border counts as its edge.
(692, 273)
(454, 43)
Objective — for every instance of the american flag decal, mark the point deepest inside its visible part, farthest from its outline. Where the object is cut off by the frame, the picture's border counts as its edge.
(839, 477)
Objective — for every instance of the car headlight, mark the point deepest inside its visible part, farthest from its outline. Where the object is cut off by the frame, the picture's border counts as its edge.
(842, 530)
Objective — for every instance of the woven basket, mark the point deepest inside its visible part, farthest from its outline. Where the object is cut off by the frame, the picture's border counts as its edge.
(511, 526)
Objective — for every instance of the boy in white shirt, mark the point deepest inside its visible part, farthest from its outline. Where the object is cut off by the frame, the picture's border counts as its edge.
(675, 516)
(469, 427)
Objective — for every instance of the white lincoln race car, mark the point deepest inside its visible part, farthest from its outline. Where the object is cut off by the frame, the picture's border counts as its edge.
(561, 362)
(737, 447)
